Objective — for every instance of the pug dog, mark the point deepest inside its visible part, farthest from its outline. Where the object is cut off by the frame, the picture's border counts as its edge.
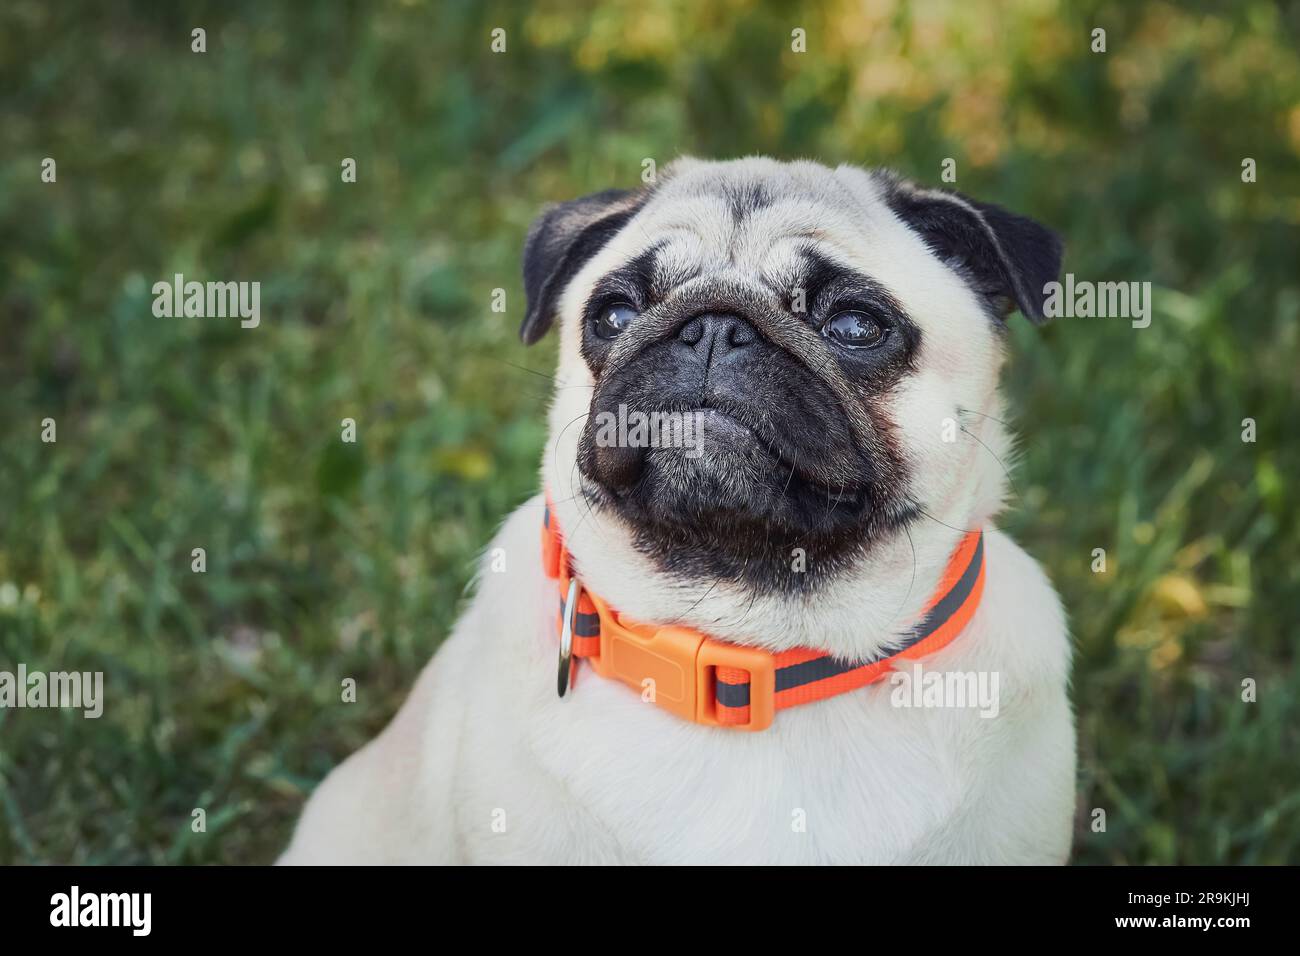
(770, 643)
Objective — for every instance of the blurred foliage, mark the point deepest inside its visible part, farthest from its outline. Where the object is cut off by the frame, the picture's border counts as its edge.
(327, 562)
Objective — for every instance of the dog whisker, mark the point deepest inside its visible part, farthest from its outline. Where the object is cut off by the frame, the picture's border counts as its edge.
(1011, 481)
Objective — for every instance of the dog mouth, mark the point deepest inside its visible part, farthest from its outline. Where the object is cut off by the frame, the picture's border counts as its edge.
(724, 428)
(720, 465)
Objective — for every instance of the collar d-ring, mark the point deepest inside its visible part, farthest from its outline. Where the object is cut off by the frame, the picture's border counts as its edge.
(568, 610)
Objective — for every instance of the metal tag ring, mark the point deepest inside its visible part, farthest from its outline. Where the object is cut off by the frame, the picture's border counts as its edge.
(568, 609)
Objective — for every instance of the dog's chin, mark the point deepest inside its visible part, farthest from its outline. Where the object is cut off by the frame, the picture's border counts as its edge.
(734, 505)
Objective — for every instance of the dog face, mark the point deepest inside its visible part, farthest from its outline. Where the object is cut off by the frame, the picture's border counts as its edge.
(820, 347)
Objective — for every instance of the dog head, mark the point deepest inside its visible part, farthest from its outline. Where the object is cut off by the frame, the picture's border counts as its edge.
(774, 376)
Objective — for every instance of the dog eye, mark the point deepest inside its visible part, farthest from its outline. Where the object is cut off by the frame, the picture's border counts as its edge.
(614, 319)
(855, 330)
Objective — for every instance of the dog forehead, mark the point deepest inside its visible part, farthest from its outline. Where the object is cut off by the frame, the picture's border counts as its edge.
(755, 221)
(752, 182)
(752, 215)
(723, 199)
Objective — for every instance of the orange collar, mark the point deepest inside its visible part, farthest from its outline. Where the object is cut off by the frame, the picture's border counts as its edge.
(728, 685)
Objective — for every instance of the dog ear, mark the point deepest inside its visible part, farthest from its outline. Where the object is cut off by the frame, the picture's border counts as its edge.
(1006, 258)
(560, 242)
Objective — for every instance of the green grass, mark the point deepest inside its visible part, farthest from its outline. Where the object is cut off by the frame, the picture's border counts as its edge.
(328, 561)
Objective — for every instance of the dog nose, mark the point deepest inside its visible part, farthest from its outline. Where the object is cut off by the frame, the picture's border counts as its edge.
(717, 333)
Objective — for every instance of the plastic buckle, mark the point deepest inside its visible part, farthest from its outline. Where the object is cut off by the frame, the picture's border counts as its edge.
(678, 666)
(761, 666)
